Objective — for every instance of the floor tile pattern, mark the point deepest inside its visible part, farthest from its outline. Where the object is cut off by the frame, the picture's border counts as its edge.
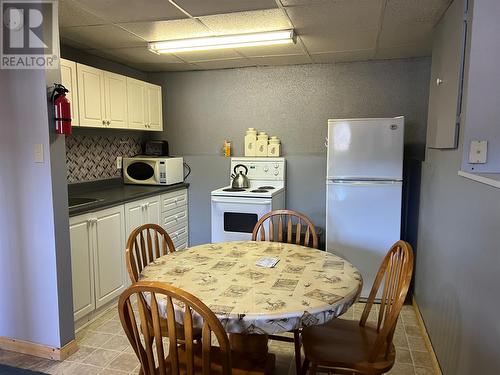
(104, 350)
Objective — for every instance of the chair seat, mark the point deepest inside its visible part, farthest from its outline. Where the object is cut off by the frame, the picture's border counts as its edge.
(241, 364)
(179, 329)
(344, 344)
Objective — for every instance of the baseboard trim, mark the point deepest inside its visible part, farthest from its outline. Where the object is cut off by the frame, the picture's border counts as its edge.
(428, 343)
(38, 350)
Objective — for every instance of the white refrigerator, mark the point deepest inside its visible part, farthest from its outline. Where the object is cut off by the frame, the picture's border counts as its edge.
(364, 190)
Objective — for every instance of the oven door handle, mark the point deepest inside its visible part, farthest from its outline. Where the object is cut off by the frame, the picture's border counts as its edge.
(242, 201)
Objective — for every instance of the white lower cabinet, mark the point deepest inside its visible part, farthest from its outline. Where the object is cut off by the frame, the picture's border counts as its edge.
(144, 211)
(98, 241)
(97, 259)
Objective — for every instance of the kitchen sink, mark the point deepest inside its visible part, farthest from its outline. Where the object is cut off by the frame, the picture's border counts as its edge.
(81, 201)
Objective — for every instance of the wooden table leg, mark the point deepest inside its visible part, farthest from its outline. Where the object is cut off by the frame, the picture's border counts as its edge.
(254, 346)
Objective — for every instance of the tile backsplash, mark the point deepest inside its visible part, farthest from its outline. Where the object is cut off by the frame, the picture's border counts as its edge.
(93, 157)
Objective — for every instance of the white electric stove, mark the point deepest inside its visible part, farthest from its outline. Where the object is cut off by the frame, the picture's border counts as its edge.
(236, 211)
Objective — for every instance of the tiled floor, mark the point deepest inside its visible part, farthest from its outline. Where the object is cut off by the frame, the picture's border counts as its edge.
(105, 350)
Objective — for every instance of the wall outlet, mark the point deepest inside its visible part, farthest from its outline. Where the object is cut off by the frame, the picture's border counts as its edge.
(478, 152)
(38, 153)
(119, 161)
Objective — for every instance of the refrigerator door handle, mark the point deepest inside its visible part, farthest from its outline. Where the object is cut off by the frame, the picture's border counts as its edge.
(364, 183)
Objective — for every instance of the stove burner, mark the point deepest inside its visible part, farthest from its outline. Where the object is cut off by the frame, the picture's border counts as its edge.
(259, 190)
(234, 189)
(266, 187)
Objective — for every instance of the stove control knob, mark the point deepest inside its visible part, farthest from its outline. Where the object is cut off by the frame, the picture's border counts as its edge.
(276, 173)
(276, 166)
(266, 168)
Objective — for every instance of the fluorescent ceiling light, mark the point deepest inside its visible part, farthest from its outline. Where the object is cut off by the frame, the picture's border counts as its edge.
(223, 41)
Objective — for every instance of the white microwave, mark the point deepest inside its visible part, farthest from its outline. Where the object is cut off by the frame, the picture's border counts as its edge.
(147, 170)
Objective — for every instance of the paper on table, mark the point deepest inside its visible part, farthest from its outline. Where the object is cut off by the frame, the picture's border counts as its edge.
(267, 262)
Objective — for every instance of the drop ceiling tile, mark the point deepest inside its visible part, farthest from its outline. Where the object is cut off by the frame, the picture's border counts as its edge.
(202, 8)
(427, 11)
(334, 16)
(167, 30)
(163, 67)
(132, 10)
(247, 22)
(281, 60)
(104, 36)
(410, 50)
(279, 49)
(135, 55)
(317, 42)
(225, 64)
(221, 54)
(73, 43)
(404, 34)
(343, 56)
(70, 14)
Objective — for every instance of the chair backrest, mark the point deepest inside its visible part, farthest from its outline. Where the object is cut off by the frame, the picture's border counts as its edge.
(395, 272)
(286, 226)
(168, 302)
(144, 245)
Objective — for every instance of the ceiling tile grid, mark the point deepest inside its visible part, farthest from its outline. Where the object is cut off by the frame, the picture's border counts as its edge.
(327, 30)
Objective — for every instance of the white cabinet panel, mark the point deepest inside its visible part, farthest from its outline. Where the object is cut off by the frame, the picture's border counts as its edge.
(82, 268)
(153, 210)
(115, 89)
(136, 104)
(69, 80)
(134, 215)
(109, 258)
(173, 200)
(154, 119)
(91, 96)
(445, 91)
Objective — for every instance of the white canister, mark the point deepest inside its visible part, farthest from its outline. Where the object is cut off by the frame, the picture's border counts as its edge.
(251, 142)
(274, 148)
(262, 139)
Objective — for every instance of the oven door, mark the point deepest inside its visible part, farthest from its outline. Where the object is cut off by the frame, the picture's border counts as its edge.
(141, 171)
(234, 218)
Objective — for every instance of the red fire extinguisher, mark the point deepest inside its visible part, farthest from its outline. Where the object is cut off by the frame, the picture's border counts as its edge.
(62, 108)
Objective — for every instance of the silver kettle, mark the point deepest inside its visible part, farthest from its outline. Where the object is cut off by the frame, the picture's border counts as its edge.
(240, 179)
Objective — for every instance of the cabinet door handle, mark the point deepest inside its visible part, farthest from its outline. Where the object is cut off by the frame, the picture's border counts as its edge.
(439, 82)
(104, 122)
(108, 122)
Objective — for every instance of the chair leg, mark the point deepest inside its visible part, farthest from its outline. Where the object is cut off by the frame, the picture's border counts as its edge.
(313, 369)
(296, 342)
(305, 366)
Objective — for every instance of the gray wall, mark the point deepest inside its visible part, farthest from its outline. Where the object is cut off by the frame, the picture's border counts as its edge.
(458, 260)
(35, 271)
(202, 109)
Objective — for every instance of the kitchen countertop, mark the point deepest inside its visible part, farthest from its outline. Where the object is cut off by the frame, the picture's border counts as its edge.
(113, 192)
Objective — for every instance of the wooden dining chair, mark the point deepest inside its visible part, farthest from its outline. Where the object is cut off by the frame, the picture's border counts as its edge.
(184, 356)
(144, 245)
(281, 225)
(349, 346)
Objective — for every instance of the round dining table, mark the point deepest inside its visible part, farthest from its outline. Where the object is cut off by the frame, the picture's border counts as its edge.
(306, 287)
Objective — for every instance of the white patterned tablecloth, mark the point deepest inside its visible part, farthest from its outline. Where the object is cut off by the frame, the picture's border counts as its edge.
(307, 287)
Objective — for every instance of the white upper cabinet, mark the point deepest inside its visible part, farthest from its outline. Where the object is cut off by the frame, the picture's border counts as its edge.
(154, 119)
(445, 94)
(115, 94)
(144, 105)
(91, 96)
(136, 104)
(102, 99)
(69, 80)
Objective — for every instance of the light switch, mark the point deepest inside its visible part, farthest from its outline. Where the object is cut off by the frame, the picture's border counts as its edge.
(478, 152)
(38, 153)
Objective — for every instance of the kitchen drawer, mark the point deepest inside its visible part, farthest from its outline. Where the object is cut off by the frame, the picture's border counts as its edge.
(179, 234)
(181, 242)
(173, 200)
(172, 218)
